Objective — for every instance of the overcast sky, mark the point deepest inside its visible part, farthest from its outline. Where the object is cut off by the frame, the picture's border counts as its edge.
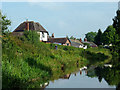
(63, 18)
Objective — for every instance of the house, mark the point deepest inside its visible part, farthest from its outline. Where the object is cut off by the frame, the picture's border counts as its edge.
(91, 44)
(78, 43)
(60, 41)
(33, 26)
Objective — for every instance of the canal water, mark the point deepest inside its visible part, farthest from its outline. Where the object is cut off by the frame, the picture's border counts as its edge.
(78, 80)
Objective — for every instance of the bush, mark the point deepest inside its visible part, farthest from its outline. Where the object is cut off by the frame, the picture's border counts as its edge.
(100, 46)
(32, 36)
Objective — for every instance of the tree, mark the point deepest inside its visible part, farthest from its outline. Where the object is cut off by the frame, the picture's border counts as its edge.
(116, 22)
(90, 36)
(67, 36)
(116, 25)
(71, 37)
(109, 35)
(97, 38)
(4, 23)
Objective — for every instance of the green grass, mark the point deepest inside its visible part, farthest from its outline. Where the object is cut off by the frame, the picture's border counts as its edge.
(27, 65)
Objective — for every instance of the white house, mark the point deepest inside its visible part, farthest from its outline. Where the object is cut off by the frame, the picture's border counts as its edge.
(33, 26)
(43, 36)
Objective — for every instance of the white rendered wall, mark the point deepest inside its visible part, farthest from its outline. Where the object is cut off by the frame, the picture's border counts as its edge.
(43, 36)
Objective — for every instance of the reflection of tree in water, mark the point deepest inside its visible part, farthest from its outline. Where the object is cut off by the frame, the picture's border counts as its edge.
(111, 75)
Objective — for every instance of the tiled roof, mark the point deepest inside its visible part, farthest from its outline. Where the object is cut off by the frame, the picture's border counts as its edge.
(92, 44)
(58, 40)
(77, 42)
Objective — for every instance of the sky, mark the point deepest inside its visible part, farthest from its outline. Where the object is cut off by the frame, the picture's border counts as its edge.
(62, 18)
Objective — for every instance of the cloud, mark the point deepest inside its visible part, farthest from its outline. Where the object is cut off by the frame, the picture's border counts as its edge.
(60, 0)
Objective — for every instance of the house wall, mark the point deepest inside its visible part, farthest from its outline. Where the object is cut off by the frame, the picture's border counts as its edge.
(43, 36)
(67, 42)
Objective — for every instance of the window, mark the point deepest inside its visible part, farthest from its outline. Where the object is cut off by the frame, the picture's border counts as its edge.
(67, 44)
(43, 35)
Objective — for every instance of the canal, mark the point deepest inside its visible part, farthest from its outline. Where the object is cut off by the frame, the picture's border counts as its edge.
(95, 77)
(78, 80)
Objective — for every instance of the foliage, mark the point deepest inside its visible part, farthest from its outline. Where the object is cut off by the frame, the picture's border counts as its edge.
(72, 37)
(90, 36)
(4, 22)
(97, 38)
(116, 25)
(109, 35)
(31, 36)
(116, 22)
(111, 75)
(24, 63)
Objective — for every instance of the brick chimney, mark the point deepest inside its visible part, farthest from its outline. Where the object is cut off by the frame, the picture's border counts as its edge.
(80, 40)
(85, 39)
(53, 35)
(27, 25)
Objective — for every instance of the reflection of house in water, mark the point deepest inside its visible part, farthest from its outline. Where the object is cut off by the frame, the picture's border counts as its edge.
(44, 85)
(67, 76)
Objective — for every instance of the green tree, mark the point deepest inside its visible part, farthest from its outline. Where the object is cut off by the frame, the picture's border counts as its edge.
(67, 36)
(116, 25)
(109, 35)
(90, 36)
(4, 22)
(72, 37)
(116, 22)
(98, 37)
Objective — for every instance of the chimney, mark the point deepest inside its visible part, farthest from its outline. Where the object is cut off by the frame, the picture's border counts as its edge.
(27, 25)
(53, 35)
(75, 39)
(85, 39)
(80, 40)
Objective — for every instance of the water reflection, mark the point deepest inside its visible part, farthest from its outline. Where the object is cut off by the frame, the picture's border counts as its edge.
(81, 79)
(67, 76)
(110, 74)
(105, 76)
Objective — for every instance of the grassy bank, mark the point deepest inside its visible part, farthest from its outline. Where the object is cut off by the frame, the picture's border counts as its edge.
(25, 62)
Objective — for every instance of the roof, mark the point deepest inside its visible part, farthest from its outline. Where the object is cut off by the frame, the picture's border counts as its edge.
(76, 42)
(32, 26)
(92, 44)
(17, 33)
(58, 40)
